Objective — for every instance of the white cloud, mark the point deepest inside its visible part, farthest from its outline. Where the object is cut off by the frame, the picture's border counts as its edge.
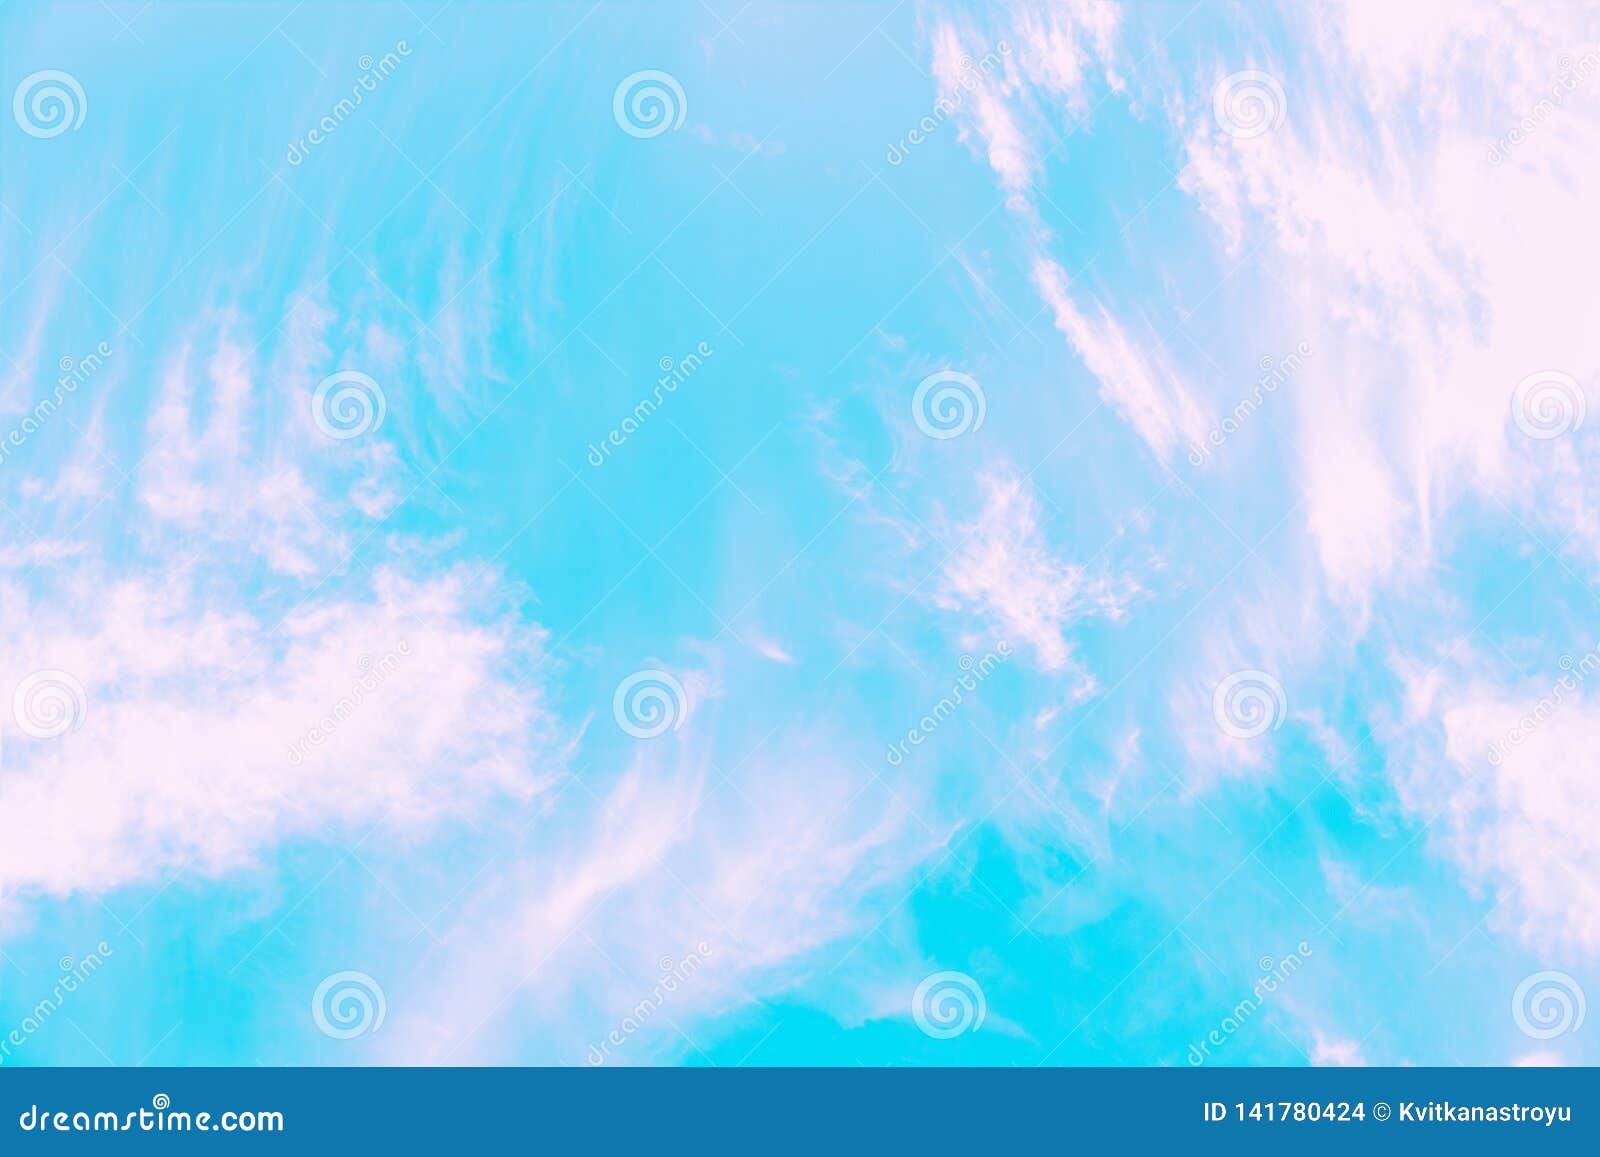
(778, 874)
(219, 713)
(1007, 149)
(1430, 278)
(1048, 59)
(1540, 1060)
(195, 745)
(768, 648)
(1521, 816)
(1057, 55)
(236, 463)
(1336, 1052)
(1005, 570)
(1140, 385)
(1424, 224)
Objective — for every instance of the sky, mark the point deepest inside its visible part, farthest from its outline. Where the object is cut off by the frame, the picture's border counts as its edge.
(717, 534)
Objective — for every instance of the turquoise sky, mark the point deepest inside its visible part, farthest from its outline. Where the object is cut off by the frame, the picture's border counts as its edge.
(797, 534)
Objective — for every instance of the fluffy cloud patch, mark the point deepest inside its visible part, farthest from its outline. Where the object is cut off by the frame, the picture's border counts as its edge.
(1509, 772)
(229, 677)
(198, 736)
(1423, 240)
(1005, 570)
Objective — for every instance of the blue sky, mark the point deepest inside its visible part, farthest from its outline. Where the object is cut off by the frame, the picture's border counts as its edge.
(843, 534)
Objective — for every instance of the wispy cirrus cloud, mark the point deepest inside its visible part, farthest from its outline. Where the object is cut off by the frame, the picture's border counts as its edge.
(784, 878)
(1063, 56)
(1140, 383)
(1005, 570)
